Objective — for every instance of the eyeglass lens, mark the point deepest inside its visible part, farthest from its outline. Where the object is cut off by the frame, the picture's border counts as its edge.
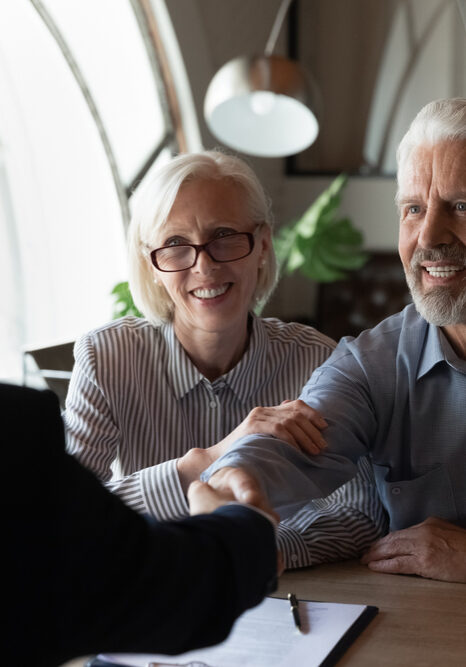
(224, 249)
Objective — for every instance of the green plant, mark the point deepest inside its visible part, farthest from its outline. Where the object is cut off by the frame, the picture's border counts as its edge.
(124, 304)
(320, 245)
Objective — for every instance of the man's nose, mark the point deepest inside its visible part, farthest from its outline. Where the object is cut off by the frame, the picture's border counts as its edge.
(435, 229)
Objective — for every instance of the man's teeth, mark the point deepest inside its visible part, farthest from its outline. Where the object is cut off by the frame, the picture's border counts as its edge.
(442, 271)
(210, 293)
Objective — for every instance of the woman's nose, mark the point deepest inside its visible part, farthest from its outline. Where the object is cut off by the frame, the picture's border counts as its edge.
(205, 263)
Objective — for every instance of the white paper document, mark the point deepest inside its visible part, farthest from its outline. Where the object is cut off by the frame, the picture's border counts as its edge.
(266, 636)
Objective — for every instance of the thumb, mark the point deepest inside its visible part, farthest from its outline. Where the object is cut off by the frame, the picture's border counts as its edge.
(203, 499)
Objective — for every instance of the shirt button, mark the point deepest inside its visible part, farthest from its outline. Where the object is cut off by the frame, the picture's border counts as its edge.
(213, 404)
(294, 558)
(396, 491)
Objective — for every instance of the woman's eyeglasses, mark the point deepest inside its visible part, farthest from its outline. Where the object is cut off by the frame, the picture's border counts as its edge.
(184, 256)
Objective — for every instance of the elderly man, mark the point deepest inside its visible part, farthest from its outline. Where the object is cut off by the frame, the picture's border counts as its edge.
(398, 392)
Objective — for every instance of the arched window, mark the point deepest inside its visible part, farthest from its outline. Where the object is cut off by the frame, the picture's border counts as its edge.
(86, 109)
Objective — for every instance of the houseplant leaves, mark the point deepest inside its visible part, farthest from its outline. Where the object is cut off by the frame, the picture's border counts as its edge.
(319, 245)
(124, 304)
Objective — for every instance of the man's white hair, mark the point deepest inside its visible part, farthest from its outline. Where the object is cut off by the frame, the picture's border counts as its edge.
(440, 120)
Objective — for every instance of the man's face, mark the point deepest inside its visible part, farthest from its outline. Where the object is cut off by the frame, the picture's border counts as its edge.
(432, 241)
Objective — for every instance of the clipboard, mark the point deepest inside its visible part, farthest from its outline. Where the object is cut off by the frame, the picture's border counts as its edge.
(350, 636)
(266, 636)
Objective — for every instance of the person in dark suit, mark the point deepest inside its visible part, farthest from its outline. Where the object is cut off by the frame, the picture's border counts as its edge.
(87, 574)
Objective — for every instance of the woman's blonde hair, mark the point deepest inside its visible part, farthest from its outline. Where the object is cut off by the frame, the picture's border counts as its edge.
(152, 204)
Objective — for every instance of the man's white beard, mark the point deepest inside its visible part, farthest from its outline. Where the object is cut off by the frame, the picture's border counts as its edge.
(439, 305)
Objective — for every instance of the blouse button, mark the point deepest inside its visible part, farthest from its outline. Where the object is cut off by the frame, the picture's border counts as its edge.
(396, 491)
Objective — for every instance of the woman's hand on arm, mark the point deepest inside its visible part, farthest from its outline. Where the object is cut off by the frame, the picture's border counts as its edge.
(295, 422)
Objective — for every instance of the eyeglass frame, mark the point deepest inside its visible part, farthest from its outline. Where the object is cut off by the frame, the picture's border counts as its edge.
(204, 246)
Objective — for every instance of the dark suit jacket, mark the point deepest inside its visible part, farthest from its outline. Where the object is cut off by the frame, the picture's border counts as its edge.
(87, 574)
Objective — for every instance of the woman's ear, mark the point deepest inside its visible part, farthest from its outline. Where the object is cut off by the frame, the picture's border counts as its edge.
(265, 243)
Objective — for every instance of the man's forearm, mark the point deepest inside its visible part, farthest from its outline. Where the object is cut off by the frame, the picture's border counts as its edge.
(288, 477)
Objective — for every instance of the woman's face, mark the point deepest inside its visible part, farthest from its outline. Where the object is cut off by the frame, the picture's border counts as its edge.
(212, 297)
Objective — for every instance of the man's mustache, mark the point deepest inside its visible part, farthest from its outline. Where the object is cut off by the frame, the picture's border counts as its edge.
(456, 253)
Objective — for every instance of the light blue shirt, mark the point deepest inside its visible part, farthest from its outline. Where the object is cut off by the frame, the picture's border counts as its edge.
(397, 393)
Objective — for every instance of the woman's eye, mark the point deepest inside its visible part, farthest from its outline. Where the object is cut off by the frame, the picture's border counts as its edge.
(224, 232)
(176, 240)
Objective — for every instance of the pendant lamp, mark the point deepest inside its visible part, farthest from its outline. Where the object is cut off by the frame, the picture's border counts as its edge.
(263, 105)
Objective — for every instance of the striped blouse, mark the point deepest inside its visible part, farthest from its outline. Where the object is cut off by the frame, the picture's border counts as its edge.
(136, 403)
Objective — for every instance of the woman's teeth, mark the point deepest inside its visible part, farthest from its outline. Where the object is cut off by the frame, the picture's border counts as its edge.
(442, 271)
(210, 293)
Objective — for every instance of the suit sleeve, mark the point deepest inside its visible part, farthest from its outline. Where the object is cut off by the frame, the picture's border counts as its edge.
(90, 575)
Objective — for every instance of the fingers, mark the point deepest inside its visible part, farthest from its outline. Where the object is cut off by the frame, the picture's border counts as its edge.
(243, 487)
(434, 548)
(302, 434)
(203, 498)
(295, 422)
(398, 565)
(307, 412)
(394, 544)
(395, 553)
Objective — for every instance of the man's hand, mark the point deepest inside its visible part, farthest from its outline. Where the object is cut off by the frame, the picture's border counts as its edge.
(242, 487)
(295, 422)
(231, 484)
(203, 498)
(435, 549)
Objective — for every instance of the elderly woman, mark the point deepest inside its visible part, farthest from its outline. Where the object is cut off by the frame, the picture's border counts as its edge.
(154, 401)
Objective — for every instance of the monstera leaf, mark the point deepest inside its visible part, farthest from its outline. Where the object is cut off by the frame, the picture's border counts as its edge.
(124, 304)
(320, 245)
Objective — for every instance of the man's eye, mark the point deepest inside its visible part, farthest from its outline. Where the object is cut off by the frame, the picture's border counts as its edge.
(461, 206)
(414, 209)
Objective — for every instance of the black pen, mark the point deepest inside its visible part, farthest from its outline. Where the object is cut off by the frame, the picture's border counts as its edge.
(295, 610)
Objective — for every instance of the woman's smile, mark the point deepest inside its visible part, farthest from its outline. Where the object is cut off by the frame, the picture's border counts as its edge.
(209, 293)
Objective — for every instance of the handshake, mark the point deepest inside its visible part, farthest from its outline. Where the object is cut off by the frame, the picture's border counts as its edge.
(231, 485)
(226, 486)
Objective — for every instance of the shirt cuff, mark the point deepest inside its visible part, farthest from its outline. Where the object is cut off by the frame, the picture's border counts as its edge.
(293, 548)
(162, 492)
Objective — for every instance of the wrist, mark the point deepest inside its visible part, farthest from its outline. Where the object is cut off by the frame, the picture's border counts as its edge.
(190, 466)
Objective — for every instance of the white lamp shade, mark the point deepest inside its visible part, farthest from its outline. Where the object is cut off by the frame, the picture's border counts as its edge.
(262, 106)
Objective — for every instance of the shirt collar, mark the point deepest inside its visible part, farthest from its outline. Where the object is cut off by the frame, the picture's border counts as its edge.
(436, 349)
(182, 374)
(243, 379)
(249, 374)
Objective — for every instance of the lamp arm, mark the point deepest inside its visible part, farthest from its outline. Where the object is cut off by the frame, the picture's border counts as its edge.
(462, 8)
(282, 10)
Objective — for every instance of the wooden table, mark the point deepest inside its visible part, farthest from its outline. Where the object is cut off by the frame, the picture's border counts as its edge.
(420, 622)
